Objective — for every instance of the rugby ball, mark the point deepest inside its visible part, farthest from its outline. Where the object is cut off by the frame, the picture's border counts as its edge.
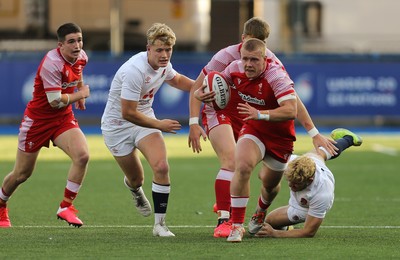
(214, 81)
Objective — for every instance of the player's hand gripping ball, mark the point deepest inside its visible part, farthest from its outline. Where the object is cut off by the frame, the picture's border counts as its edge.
(214, 81)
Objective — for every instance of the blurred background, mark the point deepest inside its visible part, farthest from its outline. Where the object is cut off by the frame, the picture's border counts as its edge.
(344, 56)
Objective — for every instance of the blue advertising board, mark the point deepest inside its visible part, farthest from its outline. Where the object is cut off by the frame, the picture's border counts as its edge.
(348, 89)
(327, 89)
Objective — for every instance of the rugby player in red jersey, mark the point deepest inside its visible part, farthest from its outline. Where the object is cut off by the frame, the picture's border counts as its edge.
(49, 117)
(222, 127)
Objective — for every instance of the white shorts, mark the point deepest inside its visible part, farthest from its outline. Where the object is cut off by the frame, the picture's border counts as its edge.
(122, 142)
(297, 215)
(269, 161)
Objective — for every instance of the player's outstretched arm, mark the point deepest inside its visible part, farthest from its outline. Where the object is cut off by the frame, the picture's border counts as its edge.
(181, 82)
(318, 140)
(195, 130)
(311, 226)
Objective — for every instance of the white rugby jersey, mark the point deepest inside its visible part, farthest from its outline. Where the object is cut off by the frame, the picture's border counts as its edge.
(319, 195)
(135, 80)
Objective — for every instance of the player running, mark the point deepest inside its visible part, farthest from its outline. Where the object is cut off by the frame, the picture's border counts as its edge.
(222, 127)
(49, 117)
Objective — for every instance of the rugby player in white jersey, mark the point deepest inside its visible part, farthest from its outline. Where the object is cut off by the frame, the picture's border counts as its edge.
(222, 127)
(129, 124)
(312, 188)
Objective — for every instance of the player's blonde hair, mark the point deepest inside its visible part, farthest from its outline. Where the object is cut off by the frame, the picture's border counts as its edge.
(160, 31)
(254, 44)
(256, 28)
(300, 170)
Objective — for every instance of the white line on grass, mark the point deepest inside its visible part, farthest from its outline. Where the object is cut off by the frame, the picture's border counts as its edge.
(194, 226)
(384, 149)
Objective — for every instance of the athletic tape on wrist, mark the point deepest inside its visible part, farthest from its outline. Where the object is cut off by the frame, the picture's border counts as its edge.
(261, 116)
(313, 132)
(193, 121)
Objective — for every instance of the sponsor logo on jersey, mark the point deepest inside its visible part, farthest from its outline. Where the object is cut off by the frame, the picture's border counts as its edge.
(65, 85)
(250, 99)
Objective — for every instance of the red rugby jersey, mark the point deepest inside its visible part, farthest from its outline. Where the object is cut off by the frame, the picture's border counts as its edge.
(264, 93)
(54, 74)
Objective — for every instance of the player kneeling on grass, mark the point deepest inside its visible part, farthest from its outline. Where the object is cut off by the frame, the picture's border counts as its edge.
(311, 191)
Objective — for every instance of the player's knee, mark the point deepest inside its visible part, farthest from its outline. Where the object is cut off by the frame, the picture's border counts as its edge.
(161, 168)
(23, 176)
(82, 158)
(271, 187)
(244, 169)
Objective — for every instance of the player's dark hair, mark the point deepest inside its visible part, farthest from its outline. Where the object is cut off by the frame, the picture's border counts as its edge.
(66, 29)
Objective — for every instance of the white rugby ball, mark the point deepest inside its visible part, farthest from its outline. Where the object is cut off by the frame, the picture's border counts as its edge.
(214, 81)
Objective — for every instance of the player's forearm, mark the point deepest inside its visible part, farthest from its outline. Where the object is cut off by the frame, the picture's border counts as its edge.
(140, 119)
(303, 116)
(181, 82)
(194, 103)
(286, 111)
(73, 97)
(294, 233)
(80, 83)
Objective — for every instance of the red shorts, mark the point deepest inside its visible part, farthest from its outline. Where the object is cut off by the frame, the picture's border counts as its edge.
(279, 149)
(34, 134)
(212, 118)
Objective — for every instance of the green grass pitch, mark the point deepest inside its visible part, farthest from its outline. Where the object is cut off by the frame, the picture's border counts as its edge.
(364, 222)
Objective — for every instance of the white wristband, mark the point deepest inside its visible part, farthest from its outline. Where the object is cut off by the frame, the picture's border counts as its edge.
(193, 121)
(62, 104)
(313, 132)
(262, 116)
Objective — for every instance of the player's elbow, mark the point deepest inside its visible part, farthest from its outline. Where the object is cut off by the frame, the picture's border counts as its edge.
(291, 114)
(125, 115)
(128, 115)
(309, 233)
(289, 110)
(54, 98)
(54, 103)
